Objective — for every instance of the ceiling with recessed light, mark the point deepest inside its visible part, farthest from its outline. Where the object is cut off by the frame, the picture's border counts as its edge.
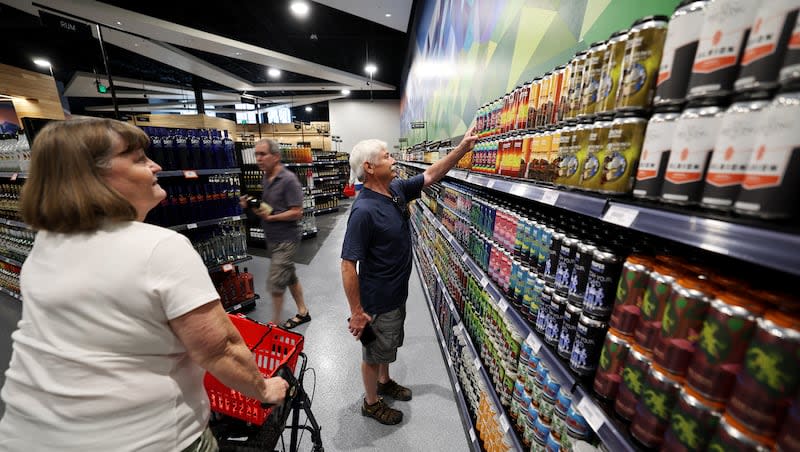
(159, 52)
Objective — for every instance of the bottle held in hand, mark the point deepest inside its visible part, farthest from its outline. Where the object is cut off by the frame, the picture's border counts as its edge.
(256, 204)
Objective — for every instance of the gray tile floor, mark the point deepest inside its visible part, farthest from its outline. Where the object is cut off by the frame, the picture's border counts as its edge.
(431, 420)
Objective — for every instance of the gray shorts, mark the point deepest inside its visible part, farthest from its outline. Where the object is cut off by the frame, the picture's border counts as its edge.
(389, 332)
(281, 267)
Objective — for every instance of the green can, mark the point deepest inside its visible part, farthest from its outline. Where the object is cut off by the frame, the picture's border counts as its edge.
(596, 142)
(578, 64)
(592, 71)
(621, 155)
(611, 72)
(580, 150)
(641, 61)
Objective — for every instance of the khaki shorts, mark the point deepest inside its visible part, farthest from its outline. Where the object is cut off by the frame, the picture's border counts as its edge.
(389, 334)
(204, 443)
(281, 267)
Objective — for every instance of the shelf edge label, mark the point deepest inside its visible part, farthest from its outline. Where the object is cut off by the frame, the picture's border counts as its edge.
(191, 226)
(227, 268)
(190, 174)
(549, 197)
(590, 412)
(534, 343)
(621, 216)
(14, 176)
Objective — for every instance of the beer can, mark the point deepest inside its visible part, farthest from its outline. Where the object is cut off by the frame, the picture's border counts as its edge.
(633, 376)
(563, 401)
(550, 164)
(580, 272)
(682, 323)
(656, 152)
(522, 109)
(633, 281)
(726, 25)
(640, 65)
(766, 45)
(591, 174)
(732, 150)
(729, 436)
(563, 101)
(530, 424)
(566, 262)
(536, 303)
(592, 71)
(543, 316)
(771, 376)
(680, 47)
(558, 304)
(789, 437)
(622, 153)
(533, 102)
(771, 186)
(567, 165)
(692, 423)
(543, 164)
(580, 150)
(542, 425)
(612, 360)
(601, 285)
(587, 346)
(790, 71)
(726, 332)
(554, 98)
(611, 72)
(659, 287)
(659, 395)
(695, 133)
(575, 89)
(554, 253)
(569, 325)
(545, 246)
(577, 427)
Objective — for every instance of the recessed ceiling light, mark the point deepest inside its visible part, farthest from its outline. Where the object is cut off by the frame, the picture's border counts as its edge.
(238, 53)
(309, 108)
(41, 62)
(299, 8)
(346, 92)
(370, 68)
(119, 23)
(274, 73)
(388, 14)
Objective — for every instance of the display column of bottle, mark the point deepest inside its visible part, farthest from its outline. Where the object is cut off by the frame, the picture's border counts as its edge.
(15, 152)
(220, 244)
(234, 287)
(190, 201)
(295, 153)
(191, 149)
(15, 242)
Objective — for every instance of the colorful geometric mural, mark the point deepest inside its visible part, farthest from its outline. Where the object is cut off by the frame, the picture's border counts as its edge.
(469, 52)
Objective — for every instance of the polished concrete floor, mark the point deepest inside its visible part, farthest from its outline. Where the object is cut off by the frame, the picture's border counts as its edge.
(431, 420)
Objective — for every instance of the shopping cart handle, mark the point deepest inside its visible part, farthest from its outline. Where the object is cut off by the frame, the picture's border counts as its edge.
(287, 374)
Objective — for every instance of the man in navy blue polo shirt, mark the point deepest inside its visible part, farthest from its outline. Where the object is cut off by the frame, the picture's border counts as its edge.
(378, 238)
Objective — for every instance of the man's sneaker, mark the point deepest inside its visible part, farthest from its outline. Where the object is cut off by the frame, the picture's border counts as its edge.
(381, 412)
(394, 390)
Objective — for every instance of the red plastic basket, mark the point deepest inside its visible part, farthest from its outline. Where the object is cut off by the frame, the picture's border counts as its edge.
(277, 348)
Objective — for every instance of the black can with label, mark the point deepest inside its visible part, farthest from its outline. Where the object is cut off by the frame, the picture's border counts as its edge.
(566, 262)
(601, 285)
(694, 138)
(543, 315)
(588, 344)
(558, 304)
(790, 72)
(572, 314)
(551, 264)
(726, 26)
(732, 149)
(766, 45)
(580, 273)
(771, 186)
(655, 152)
(679, 50)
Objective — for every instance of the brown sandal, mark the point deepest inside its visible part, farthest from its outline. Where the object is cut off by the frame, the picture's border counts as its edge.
(297, 320)
(392, 389)
(382, 413)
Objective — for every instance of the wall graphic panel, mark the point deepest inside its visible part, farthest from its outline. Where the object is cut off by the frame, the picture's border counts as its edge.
(469, 52)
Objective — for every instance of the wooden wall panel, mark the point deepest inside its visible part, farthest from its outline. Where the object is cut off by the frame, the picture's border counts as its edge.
(34, 94)
(287, 133)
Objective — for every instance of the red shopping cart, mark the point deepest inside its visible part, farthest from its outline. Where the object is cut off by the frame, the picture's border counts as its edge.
(276, 353)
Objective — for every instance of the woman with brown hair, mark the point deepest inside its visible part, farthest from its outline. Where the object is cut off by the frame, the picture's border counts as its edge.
(120, 317)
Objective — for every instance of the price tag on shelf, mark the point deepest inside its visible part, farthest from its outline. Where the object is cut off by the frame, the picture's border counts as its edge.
(549, 197)
(534, 342)
(621, 216)
(518, 189)
(490, 184)
(484, 281)
(478, 363)
(502, 305)
(227, 268)
(190, 174)
(591, 413)
(444, 346)
(14, 176)
(464, 257)
(237, 307)
(191, 226)
(504, 424)
(472, 436)
(458, 386)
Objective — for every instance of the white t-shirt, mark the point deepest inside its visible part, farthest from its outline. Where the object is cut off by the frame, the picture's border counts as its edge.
(95, 365)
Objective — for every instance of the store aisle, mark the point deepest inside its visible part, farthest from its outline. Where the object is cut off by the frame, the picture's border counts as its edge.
(431, 420)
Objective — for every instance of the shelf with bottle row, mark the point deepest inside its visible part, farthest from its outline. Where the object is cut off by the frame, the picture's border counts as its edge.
(243, 306)
(190, 174)
(324, 178)
(14, 175)
(325, 195)
(324, 211)
(10, 260)
(11, 293)
(772, 248)
(17, 224)
(200, 224)
(611, 432)
(228, 266)
(459, 394)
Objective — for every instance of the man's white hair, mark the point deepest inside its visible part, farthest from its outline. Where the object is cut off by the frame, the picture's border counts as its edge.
(364, 151)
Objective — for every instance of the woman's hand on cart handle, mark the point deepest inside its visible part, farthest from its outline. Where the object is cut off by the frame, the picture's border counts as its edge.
(275, 391)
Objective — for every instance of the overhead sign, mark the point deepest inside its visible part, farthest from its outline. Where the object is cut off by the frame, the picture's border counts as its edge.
(247, 100)
(418, 125)
(65, 25)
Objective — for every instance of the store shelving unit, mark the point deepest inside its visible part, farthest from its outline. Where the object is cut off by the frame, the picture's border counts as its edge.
(212, 222)
(14, 223)
(200, 172)
(11, 261)
(767, 247)
(228, 266)
(14, 175)
(243, 306)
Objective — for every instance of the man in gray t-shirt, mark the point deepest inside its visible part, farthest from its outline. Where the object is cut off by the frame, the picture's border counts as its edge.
(284, 195)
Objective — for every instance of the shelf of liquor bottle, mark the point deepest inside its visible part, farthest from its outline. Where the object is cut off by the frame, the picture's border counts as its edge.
(308, 210)
(748, 240)
(466, 420)
(10, 260)
(332, 162)
(199, 172)
(16, 224)
(324, 178)
(11, 293)
(243, 306)
(327, 210)
(610, 432)
(325, 195)
(200, 224)
(14, 175)
(293, 165)
(228, 266)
